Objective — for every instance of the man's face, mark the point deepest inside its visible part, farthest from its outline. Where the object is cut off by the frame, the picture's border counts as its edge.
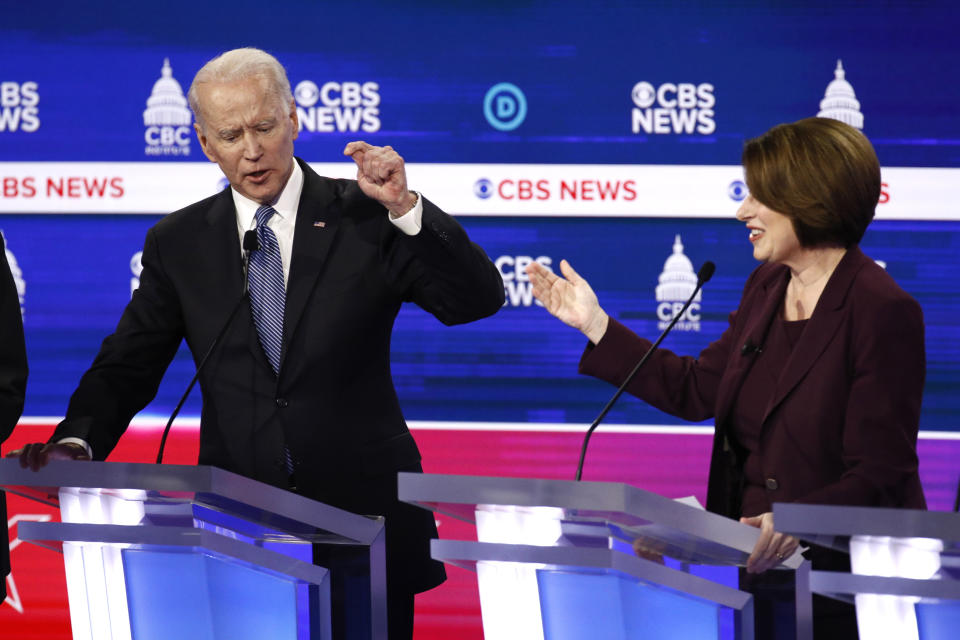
(250, 134)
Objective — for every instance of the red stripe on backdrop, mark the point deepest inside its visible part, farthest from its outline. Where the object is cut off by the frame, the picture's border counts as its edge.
(671, 464)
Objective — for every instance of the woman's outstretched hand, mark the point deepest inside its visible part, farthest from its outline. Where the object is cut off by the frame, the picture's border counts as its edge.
(569, 298)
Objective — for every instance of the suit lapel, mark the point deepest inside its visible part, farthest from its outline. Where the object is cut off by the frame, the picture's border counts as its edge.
(224, 247)
(821, 328)
(318, 219)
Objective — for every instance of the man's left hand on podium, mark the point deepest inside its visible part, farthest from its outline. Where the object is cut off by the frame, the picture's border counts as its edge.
(37, 454)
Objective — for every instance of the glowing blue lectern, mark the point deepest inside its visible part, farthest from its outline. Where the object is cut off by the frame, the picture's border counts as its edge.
(905, 566)
(167, 551)
(558, 560)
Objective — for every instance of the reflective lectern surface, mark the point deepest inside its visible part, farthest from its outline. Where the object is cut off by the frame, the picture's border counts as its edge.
(558, 559)
(905, 566)
(140, 540)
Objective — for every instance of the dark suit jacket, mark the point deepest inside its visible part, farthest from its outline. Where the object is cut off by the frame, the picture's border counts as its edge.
(13, 382)
(840, 426)
(333, 403)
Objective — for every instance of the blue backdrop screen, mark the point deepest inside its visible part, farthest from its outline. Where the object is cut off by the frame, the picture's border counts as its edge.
(577, 65)
(519, 365)
(519, 86)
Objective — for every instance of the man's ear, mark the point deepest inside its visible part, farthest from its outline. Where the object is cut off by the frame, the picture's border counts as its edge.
(202, 138)
(295, 119)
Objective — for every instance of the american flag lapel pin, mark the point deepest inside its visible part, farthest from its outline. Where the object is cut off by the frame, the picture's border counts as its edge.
(320, 224)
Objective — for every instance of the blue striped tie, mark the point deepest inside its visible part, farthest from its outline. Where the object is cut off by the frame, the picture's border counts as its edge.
(267, 293)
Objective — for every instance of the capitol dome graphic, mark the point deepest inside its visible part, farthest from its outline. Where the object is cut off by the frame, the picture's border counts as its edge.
(840, 102)
(678, 280)
(166, 105)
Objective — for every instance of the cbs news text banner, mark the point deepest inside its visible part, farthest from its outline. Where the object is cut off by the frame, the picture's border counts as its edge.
(608, 134)
(515, 190)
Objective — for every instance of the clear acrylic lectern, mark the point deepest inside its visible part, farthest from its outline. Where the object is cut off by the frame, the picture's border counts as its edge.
(172, 551)
(905, 566)
(557, 560)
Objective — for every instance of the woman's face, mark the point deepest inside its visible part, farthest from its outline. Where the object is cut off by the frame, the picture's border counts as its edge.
(771, 233)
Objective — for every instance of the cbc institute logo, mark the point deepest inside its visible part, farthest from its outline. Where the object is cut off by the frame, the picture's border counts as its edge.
(167, 117)
(676, 283)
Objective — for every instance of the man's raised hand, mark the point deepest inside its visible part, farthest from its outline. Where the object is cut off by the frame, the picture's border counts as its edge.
(382, 176)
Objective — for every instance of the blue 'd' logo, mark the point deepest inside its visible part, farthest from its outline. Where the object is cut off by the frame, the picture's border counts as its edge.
(505, 106)
(483, 188)
(737, 190)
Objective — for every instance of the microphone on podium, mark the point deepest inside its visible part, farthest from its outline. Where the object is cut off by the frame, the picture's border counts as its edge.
(250, 243)
(703, 276)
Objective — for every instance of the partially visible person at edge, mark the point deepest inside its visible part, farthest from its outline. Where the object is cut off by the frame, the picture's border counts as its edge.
(298, 392)
(823, 404)
(13, 383)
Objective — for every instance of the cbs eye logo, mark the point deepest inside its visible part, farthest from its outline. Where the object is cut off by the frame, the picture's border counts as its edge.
(483, 188)
(307, 93)
(505, 106)
(644, 94)
(737, 190)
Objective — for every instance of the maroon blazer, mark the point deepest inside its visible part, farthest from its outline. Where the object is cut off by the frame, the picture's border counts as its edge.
(840, 426)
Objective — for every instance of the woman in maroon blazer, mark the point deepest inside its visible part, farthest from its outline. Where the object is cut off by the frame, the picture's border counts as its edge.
(815, 386)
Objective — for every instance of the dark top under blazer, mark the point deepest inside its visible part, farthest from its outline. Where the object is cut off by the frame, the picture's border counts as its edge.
(13, 382)
(840, 426)
(333, 403)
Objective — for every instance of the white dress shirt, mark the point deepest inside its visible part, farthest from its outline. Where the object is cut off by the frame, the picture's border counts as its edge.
(283, 222)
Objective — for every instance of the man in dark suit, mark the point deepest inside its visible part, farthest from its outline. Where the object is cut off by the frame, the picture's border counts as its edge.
(301, 398)
(13, 382)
